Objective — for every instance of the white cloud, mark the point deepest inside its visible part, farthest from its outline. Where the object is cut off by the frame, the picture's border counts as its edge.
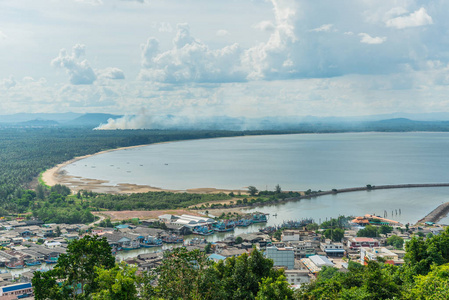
(268, 60)
(9, 82)
(415, 19)
(111, 73)
(324, 28)
(2, 35)
(222, 32)
(78, 70)
(349, 33)
(91, 2)
(265, 26)
(190, 60)
(367, 39)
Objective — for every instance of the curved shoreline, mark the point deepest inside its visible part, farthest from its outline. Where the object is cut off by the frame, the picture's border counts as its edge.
(55, 176)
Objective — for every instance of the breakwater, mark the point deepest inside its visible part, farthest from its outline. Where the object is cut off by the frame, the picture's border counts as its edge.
(368, 188)
(437, 214)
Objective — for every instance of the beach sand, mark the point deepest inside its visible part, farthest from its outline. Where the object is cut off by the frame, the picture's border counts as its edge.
(56, 175)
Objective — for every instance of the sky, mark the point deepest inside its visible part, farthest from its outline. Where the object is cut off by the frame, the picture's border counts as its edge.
(205, 58)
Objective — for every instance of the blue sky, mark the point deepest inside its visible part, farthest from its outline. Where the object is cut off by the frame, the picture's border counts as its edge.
(249, 58)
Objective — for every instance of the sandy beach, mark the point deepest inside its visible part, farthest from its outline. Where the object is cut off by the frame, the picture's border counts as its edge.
(56, 175)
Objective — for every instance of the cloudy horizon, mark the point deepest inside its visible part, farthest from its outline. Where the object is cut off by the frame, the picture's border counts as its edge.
(251, 58)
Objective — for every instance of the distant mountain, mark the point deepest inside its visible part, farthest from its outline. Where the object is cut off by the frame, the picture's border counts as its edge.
(23, 117)
(90, 120)
(38, 123)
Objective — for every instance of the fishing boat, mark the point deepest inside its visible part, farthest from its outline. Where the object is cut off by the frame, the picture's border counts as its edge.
(33, 262)
(244, 222)
(172, 239)
(203, 230)
(151, 242)
(18, 264)
(52, 260)
(259, 218)
(224, 226)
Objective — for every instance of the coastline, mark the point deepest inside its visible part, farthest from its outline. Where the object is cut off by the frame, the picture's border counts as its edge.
(55, 176)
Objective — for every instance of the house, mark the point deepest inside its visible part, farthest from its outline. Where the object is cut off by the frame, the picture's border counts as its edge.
(332, 248)
(297, 277)
(14, 290)
(358, 242)
(303, 248)
(390, 257)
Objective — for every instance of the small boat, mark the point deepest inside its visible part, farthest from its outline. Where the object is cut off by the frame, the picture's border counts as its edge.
(172, 239)
(51, 260)
(202, 230)
(130, 248)
(31, 263)
(14, 265)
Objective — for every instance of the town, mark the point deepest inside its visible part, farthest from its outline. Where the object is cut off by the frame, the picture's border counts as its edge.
(301, 248)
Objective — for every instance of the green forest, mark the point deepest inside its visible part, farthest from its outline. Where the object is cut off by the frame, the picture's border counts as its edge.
(26, 152)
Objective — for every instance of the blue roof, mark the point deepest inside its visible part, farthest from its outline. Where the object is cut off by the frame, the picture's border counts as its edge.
(16, 287)
(217, 256)
(122, 226)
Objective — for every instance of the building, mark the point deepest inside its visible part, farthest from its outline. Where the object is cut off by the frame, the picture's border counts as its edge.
(303, 248)
(316, 262)
(358, 242)
(367, 254)
(15, 290)
(297, 277)
(290, 235)
(282, 257)
(332, 248)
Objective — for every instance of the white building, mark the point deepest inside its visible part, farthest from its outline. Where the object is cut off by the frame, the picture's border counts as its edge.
(290, 235)
(282, 257)
(390, 257)
(297, 277)
(332, 249)
(316, 262)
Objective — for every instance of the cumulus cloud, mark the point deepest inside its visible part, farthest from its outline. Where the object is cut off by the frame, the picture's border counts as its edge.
(79, 71)
(324, 28)
(9, 82)
(264, 26)
(367, 39)
(222, 32)
(111, 73)
(190, 60)
(272, 59)
(415, 19)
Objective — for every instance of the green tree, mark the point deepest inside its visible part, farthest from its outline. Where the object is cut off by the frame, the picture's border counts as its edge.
(368, 231)
(76, 269)
(433, 286)
(385, 229)
(395, 241)
(274, 289)
(335, 235)
(118, 283)
(278, 189)
(252, 190)
(238, 240)
(186, 275)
